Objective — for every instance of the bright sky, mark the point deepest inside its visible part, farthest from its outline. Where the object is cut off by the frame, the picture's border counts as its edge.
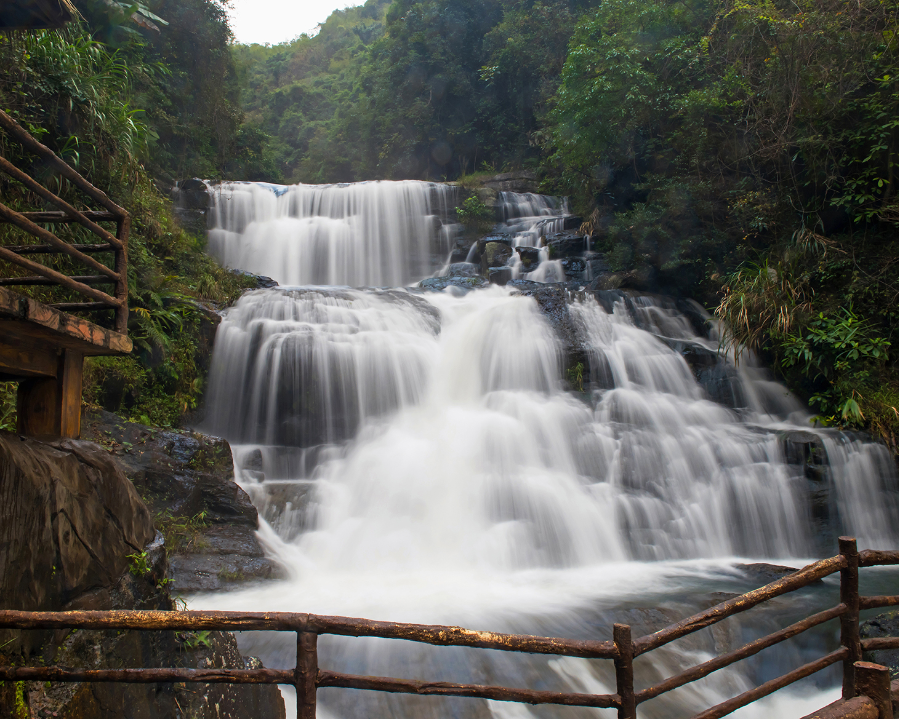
(274, 21)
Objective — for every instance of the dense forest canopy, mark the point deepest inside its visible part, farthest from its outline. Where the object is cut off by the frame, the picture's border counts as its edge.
(742, 152)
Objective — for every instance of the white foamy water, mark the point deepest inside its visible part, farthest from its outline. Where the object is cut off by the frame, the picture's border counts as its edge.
(419, 461)
(367, 233)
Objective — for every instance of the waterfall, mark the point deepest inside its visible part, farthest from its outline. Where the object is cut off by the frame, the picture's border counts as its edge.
(361, 234)
(441, 458)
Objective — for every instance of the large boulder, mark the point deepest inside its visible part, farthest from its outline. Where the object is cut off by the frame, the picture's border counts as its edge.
(75, 535)
(69, 518)
(187, 480)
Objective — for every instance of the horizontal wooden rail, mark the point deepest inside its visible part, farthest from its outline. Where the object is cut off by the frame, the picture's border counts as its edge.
(285, 621)
(15, 218)
(24, 138)
(457, 636)
(798, 579)
(83, 279)
(806, 670)
(875, 557)
(60, 278)
(703, 670)
(57, 216)
(52, 249)
(875, 643)
(148, 676)
(80, 306)
(447, 689)
(877, 602)
(75, 215)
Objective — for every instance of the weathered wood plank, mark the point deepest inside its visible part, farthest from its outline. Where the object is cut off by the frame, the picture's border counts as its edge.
(18, 361)
(22, 318)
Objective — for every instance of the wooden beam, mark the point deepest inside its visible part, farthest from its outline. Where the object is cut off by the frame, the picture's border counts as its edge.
(51, 406)
(52, 249)
(18, 362)
(55, 216)
(24, 321)
(83, 279)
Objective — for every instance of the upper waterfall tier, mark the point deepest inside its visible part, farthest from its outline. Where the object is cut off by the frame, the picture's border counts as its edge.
(363, 234)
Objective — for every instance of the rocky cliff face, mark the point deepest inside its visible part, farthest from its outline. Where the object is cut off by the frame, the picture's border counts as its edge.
(75, 534)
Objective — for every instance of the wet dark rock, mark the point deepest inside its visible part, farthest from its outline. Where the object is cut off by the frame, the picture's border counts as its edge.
(566, 244)
(517, 181)
(883, 625)
(463, 269)
(530, 257)
(262, 282)
(596, 264)
(499, 275)
(574, 267)
(459, 254)
(220, 558)
(524, 285)
(438, 284)
(572, 222)
(495, 254)
(761, 573)
(502, 237)
(553, 303)
(806, 455)
(191, 194)
(183, 476)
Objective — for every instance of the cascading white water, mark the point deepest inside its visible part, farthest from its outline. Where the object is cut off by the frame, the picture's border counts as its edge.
(420, 460)
(378, 234)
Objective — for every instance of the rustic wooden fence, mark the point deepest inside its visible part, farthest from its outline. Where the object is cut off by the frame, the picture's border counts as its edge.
(51, 244)
(307, 676)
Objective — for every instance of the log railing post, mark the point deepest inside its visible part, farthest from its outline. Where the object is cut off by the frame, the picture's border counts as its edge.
(306, 674)
(120, 265)
(849, 632)
(624, 671)
(873, 681)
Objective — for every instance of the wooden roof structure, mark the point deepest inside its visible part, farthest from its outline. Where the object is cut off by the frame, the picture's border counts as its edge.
(35, 14)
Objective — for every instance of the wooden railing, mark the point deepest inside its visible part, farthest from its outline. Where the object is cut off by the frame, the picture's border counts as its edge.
(117, 244)
(307, 676)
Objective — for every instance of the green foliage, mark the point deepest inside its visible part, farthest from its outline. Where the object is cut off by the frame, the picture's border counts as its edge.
(8, 406)
(844, 352)
(576, 376)
(139, 564)
(473, 212)
(194, 640)
(182, 534)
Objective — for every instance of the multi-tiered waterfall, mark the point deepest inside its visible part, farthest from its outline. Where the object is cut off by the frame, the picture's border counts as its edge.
(440, 458)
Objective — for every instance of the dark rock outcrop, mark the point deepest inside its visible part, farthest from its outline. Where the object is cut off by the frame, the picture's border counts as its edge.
(495, 254)
(187, 480)
(75, 535)
(55, 504)
(883, 625)
(518, 181)
(553, 303)
(530, 257)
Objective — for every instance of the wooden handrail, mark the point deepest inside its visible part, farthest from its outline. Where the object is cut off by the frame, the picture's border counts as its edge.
(24, 138)
(74, 215)
(56, 216)
(876, 557)
(51, 249)
(806, 670)
(798, 579)
(307, 676)
(703, 670)
(878, 602)
(83, 279)
(15, 218)
(60, 278)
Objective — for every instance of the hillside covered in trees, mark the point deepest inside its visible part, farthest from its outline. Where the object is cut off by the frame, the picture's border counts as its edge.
(741, 153)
